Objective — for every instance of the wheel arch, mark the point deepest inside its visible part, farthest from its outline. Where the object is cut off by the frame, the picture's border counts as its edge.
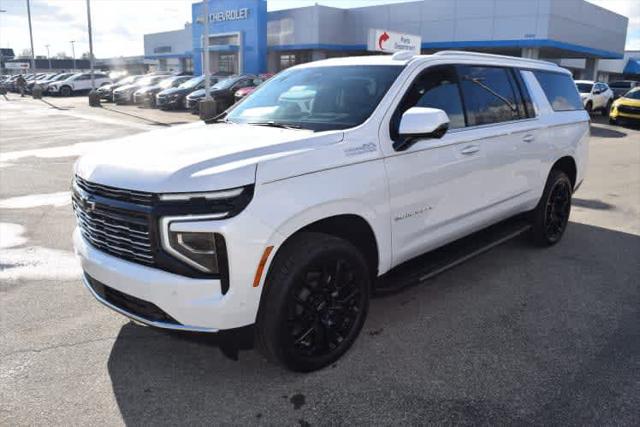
(567, 164)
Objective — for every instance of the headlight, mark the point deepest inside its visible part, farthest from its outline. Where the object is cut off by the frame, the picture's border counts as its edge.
(198, 249)
(186, 231)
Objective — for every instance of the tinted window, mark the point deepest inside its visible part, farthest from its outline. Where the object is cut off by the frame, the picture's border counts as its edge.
(318, 98)
(584, 87)
(489, 95)
(435, 88)
(560, 91)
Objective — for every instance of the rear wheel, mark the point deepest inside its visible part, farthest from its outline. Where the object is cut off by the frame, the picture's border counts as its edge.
(551, 216)
(315, 302)
(65, 91)
(589, 107)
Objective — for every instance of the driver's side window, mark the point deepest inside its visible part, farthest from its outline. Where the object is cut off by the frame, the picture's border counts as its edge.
(437, 87)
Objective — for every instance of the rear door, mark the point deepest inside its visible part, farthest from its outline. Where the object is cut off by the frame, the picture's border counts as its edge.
(478, 173)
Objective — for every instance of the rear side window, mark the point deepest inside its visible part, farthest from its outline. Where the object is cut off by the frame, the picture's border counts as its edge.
(560, 91)
(490, 95)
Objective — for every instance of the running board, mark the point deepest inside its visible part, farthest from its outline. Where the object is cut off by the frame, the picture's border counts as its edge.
(429, 265)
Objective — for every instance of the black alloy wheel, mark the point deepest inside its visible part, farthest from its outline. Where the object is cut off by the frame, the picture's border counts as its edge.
(323, 308)
(551, 216)
(65, 91)
(557, 210)
(314, 303)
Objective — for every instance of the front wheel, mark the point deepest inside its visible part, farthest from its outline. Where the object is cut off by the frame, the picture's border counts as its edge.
(315, 302)
(589, 107)
(65, 91)
(606, 110)
(551, 216)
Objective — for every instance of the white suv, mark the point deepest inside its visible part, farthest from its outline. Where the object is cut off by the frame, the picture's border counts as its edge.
(596, 96)
(77, 83)
(283, 214)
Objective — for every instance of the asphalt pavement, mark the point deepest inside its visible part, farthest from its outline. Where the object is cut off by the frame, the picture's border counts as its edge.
(516, 336)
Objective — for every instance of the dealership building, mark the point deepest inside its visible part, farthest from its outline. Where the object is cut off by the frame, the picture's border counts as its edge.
(246, 38)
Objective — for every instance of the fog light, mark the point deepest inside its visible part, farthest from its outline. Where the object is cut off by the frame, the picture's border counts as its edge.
(195, 248)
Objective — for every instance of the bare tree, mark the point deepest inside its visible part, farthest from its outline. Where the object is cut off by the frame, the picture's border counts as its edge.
(26, 53)
(62, 55)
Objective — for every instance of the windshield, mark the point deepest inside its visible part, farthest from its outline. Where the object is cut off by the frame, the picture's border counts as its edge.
(584, 87)
(167, 83)
(633, 94)
(224, 84)
(318, 98)
(191, 83)
(128, 80)
(149, 80)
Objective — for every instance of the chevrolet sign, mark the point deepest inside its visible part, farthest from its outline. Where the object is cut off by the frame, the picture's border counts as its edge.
(229, 15)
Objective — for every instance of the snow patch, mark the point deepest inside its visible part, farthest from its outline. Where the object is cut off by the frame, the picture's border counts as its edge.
(59, 199)
(11, 235)
(36, 263)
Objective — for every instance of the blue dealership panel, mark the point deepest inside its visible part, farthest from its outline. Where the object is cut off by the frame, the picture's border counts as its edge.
(246, 17)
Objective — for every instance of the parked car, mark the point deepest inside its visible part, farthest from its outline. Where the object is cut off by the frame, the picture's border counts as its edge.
(147, 95)
(626, 108)
(39, 81)
(58, 77)
(596, 96)
(124, 94)
(620, 87)
(79, 82)
(241, 93)
(222, 92)
(175, 98)
(284, 219)
(106, 92)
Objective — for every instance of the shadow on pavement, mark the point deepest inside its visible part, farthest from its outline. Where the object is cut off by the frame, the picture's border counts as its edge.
(518, 335)
(605, 132)
(591, 204)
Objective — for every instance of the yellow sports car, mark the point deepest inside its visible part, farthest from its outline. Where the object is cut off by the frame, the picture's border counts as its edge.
(626, 107)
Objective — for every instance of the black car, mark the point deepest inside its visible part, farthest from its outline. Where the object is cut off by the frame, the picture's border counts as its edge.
(175, 98)
(147, 95)
(223, 92)
(621, 87)
(106, 92)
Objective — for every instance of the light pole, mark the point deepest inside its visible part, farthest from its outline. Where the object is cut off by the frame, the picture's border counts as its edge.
(93, 80)
(73, 54)
(48, 55)
(207, 95)
(33, 54)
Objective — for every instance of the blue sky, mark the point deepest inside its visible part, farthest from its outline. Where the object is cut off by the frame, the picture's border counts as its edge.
(120, 24)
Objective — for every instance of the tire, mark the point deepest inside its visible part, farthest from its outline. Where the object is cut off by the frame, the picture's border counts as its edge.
(65, 91)
(605, 111)
(612, 121)
(589, 107)
(551, 216)
(314, 303)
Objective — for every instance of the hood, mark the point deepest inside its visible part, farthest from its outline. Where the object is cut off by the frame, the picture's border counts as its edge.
(195, 157)
(200, 93)
(146, 89)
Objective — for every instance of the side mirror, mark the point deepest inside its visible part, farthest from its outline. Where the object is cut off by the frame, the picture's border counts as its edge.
(420, 123)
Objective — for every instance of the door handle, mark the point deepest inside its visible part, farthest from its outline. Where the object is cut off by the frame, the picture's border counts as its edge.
(528, 138)
(470, 149)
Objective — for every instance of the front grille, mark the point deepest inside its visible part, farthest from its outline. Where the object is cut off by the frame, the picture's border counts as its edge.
(130, 304)
(138, 197)
(121, 233)
(629, 109)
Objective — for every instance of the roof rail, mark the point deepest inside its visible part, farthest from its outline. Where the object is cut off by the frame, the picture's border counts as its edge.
(494, 56)
(403, 55)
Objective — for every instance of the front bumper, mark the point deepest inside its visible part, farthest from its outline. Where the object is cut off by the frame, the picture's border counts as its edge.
(193, 303)
(170, 102)
(625, 112)
(122, 98)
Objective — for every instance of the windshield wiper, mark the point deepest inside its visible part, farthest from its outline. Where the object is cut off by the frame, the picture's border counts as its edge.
(273, 124)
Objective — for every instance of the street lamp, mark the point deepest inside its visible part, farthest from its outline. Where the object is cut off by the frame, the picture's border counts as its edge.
(48, 55)
(33, 54)
(73, 54)
(93, 82)
(207, 95)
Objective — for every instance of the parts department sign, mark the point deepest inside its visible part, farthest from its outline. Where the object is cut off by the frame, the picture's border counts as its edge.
(390, 41)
